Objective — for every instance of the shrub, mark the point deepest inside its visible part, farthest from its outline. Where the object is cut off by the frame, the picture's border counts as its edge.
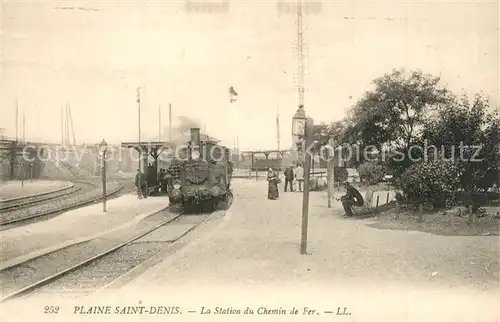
(371, 172)
(436, 182)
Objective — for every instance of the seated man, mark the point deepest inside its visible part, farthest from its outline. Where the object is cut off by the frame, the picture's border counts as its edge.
(351, 198)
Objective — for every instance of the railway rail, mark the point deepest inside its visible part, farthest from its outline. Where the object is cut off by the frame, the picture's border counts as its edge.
(86, 194)
(31, 200)
(92, 265)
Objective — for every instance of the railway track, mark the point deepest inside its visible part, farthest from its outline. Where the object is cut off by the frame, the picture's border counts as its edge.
(32, 200)
(91, 265)
(86, 193)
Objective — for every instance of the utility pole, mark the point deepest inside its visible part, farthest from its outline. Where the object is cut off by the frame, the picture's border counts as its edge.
(170, 122)
(62, 126)
(24, 127)
(139, 113)
(159, 123)
(139, 126)
(68, 140)
(278, 129)
(64, 130)
(71, 123)
(17, 118)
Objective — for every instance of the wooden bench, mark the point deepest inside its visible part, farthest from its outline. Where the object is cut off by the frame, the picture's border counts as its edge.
(367, 205)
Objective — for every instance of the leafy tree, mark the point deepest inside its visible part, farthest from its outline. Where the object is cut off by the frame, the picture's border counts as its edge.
(468, 134)
(371, 172)
(324, 132)
(322, 135)
(393, 112)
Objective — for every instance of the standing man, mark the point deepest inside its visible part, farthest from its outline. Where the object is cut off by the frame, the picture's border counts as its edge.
(299, 175)
(144, 186)
(138, 183)
(289, 178)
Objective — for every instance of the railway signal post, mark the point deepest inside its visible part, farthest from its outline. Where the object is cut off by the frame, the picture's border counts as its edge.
(103, 147)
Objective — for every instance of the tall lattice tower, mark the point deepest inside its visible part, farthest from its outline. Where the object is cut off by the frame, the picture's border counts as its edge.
(300, 113)
(300, 54)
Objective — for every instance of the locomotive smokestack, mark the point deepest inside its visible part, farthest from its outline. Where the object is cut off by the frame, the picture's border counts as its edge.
(195, 136)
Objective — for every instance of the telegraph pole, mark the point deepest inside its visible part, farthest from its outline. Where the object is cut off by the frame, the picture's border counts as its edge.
(139, 112)
(159, 123)
(170, 121)
(70, 117)
(278, 129)
(62, 126)
(17, 118)
(24, 127)
(139, 124)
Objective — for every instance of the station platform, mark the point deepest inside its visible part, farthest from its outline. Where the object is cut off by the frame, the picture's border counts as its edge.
(250, 258)
(16, 189)
(26, 242)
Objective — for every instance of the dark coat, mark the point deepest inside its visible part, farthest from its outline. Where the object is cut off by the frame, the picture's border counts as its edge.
(354, 195)
(140, 179)
(289, 174)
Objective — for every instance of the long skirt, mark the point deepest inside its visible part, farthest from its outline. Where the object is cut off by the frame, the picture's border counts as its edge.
(272, 191)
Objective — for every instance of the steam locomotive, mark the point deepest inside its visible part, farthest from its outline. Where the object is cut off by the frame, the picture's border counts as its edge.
(199, 175)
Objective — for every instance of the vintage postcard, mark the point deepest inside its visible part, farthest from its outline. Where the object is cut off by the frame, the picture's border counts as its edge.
(249, 160)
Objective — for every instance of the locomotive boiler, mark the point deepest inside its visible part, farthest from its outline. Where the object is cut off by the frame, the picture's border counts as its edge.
(200, 175)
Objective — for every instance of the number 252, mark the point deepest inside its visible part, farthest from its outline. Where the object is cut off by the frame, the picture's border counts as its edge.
(51, 310)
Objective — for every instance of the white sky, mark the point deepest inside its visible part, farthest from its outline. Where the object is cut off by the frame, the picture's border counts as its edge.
(94, 60)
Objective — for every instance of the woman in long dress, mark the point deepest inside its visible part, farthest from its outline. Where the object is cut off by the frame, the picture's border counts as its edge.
(273, 180)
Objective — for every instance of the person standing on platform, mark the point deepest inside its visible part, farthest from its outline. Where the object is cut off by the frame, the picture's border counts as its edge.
(144, 186)
(289, 178)
(138, 183)
(272, 188)
(299, 176)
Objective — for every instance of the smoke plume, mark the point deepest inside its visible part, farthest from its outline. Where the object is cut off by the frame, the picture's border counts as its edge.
(181, 128)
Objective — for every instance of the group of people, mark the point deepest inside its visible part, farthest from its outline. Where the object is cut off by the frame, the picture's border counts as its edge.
(292, 174)
(350, 199)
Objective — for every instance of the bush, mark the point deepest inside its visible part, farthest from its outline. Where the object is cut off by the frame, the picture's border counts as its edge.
(371, 172)
(436, 182)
